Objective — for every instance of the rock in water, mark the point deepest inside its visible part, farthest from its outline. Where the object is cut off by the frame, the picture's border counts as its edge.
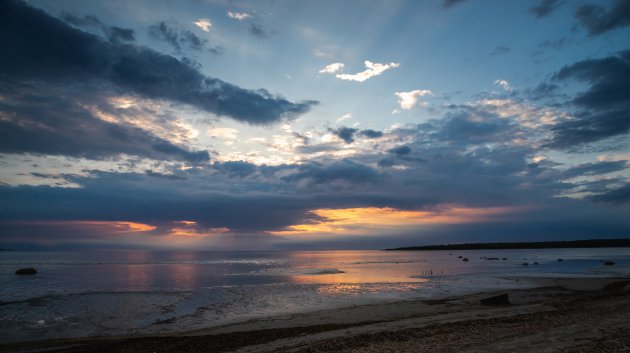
(501, 299)
(26, 271)
(608, 263)
(465, 259)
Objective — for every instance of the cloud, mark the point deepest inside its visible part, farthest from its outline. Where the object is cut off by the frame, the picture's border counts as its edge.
(545, 7)
(504, 84)
(240, 16)
(204, 24)
(450, 3)
(371, 134)
(618, 196)
(332, 68)
(345, 172)
(223, 133)
(500, 50)
(31, 42)
(603, 106)
(321, 54)
(400, 151)
(343, 117)
(599, 20)
(408, 100)
(372, 69)
(41, 121)
(595, 168)
(345, 133)
(112, 33)
(257, 30)
(177, 38)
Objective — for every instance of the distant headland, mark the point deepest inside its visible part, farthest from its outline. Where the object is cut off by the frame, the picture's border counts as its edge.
(590, 243)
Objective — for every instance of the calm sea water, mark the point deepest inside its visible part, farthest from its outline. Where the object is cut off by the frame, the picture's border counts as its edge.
(119, 292)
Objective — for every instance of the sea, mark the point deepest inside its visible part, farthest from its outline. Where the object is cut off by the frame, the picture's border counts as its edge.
(101, 293)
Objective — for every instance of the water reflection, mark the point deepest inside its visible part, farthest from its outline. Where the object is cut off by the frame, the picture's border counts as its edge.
(314, 268)
(138, 273)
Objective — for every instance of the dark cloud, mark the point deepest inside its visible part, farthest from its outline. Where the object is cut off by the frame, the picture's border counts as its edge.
(595, 168)
(401, 151)
(467, 128)
(616, 196)
(500, 50)
(345, 133)
(598, 20)
(545, 7)
(543, 90)
(177, 38)
(236, 168)
(46, 120)
(450, 3)
(112, 33)
(604, 106)
(345, 171)
(39, 47)
(257, 31)
(371, 134)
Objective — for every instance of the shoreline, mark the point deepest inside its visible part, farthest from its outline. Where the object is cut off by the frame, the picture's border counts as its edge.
(601, 302)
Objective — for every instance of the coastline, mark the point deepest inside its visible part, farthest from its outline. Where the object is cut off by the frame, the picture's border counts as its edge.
(559, 314)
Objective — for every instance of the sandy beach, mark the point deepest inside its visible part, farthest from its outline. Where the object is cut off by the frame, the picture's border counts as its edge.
(561, 315)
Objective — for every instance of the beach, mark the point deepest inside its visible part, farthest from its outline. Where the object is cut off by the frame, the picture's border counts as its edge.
(310, 301)
(561, 315)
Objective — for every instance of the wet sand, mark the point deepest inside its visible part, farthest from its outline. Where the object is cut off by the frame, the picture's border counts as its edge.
(562, 315)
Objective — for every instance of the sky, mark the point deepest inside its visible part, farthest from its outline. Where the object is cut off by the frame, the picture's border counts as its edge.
(274, 125)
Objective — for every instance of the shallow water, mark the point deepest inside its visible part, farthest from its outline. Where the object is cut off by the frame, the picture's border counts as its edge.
(79, 294)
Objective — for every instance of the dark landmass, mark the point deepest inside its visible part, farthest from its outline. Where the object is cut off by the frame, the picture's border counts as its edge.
(591, 243)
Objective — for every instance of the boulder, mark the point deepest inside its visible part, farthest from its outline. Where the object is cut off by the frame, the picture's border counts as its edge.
(26, 271)
(608, 263)
(465, 259)
(501, 299)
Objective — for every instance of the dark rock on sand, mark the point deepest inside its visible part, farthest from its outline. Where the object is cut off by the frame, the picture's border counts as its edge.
(608, 263)
(465, 259)
(501, 299)
(26, 271)
(525, 264)
(560, 260)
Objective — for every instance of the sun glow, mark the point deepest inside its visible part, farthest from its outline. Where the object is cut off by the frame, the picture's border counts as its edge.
(363, 220)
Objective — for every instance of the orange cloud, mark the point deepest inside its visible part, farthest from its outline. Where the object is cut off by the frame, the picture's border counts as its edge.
(362, 220)
(111, 226)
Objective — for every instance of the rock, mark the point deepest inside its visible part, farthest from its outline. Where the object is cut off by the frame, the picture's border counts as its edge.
(492, 258)
(560, 260)
(503, 259)
(465, 259)
(535, 263)
(459, 257)
(525, 264)
(26, 271)
(501, 299)
(608, 263)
